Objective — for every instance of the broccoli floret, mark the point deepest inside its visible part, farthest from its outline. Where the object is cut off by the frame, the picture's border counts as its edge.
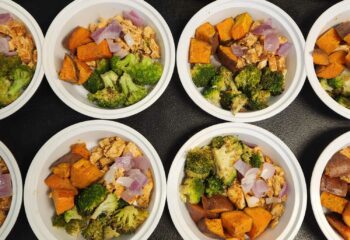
(72, 214)
(219, 83)
(146, 72)
(7, 63)
(226, 98)
(344, 101)
(217, 142)
(102, 65)
(119, 65)
(122, 203)
(336, 83)
(223, 80)
(192, 190)
(238, 103)
(247, 153)
(256, 160)
(4, 87)
(21, 77)
(74, 227)
(107, 98)
(212, 95)
(110, 79)
(259, 99)
(110, 233)
(325, 85)
(248, 78)
(89, 198)
(94, 83)
(214, 186)
(107, 207)
(58, 221)
(199, 163)
(128, 219)
(345, 90)
(95, 229)
(272, 81)
(133, 92)
(234, 101)
(202, 74)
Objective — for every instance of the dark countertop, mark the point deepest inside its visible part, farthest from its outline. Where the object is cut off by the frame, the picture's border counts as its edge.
(306, 126)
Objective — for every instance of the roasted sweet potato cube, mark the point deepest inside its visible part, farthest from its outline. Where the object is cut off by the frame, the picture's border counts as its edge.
(84, 71)
(347, 60)
(56, 182)
(216, 204)
(346, 215)
(206, 32)
(241, 26)
(78, 37)
(236, 223)
(338, 225)
(332, 70)
(62, 170)
(320, 57)
(80, 149)
(200, 51)
(227, 58)
(338, 57)
(63, 200)
(347, 39)
(196, 212)
(261, 219)
(84, 173)
(93, 51)
(211, 227)
(333, 202)
(329, 41)
(68, 70)
(224, 29)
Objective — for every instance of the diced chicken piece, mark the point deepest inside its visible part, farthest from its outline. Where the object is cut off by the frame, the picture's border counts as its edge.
(144, 199)
(148, 32)
(277, 210)
(3, 166)
(96, 154)
(2, 217)
(262, 64)
(115, 149)
(133, 149)
(5, 203)
(282, 40)
(281, 63)
(273, 63)
(102, 22)
(236, 196)
(277, 184)
(17, 28)
(249, 40)
(155, 49)
(241, 63)
(251, 56)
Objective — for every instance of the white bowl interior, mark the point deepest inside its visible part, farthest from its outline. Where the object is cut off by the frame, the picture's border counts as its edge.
(41, 212)
(295, 206)
(259, 10)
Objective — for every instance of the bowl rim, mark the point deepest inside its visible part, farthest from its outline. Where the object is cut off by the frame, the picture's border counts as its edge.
(298, 80)
(315, 184)
(94, 111)
(314, 33)
(296, 174)
(35, 30)
(159, 195)
(17, 186)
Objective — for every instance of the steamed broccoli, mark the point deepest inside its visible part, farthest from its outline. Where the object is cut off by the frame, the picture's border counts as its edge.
(7, 63)
(248, 78)
(95, 229)
(4, 87)
(202, 74)
(247, 153)
(272, 81)
(223, 80)
(134, 93)
(107, 98)
(212, 95)
(58, 221)
(226, 98)
(72, 214)
(110, 233)
(94, 83)
(110, 79)
(325, 85)
(192, 190)
(21, 77)
(344, 101)
(102, 65)
(199, 163)
(119, 65)
(259, 99)
(107, 207)
(128, 219)
(146, 72)
(74, 227)
(89, 198)
(234, 101)
(238, 103)
(336, 83)
(214, 186)
(217, 142)
(256, 160)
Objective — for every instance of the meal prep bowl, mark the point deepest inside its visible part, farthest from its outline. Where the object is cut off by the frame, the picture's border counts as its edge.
(20, 13)
(218, 11)
(17, 190)
(272, 146)
(319, 211)
(38, 205)
(334, 15)
(83, 12)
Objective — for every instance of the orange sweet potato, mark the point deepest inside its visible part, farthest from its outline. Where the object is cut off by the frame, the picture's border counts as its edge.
(78, 37)
(241, 26)
(328, 41)
(347, 39)
(206, 32)
(236, 223)
(63, 200)
(56, 182)
(84, 71)
(80, 149)
(62, 170)
(211, 227)
(93, 51)
(338, 57)
(261, 219)
(332, 70)
(84, 173)
(200, 51)
(333, 202)
(196, 212)
(338, 225)
(320, 57)
(227, 58)
(347, 60)
(68, 71)
(346, 215)
(224, 29)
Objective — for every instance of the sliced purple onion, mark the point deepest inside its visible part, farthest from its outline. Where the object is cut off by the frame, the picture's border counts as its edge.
(124, 162)
(252, 201)
(141, 163)
(214, 61)
(5, 185)
(247, 184)
(283, 49)
(272, 200)
(137, 175)
(237, 50)
(121, 53)
(129, 40)
(5, 17)
(136, 187)
(4, 45)
(112, 31)
(241, 166)
(260, 188)
(109, 176)
(125, 181)
(252, 173)
(268, 171)
(128, 196)
(263, 28)
(113, 46)
(134, 17)
(284, 190)
(271, 42)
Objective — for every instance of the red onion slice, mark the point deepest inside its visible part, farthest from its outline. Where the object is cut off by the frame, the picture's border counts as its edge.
(272, 200)
(141, 163)
(5, 17)
(242, 167)
(112, 31)
(128, 196)
(214, 61)
(113, 46)
(125, 181)
(124, 162)
(247, 184)
(271, 42)
(109, 176)
(237, 50)
(252, 201)
(121, 53)
(134, 17)
(260, 188)
(4, 45)
(251, 173)
(268, 171)
(284, 190)
(129, 40)
(5, 185)
(283, 49)
(137, 175)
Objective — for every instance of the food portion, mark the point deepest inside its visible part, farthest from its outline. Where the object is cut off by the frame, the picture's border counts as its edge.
(331, 57)
(18, 58)
(117, 60)
(232, 190)
(101, 193)
(5, 191)
(334, 191)
(239, 64)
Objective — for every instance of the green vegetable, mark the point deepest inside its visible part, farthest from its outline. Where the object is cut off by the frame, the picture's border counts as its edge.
(74, 227)
(128, 219)
(107, 98)
(89, 198)
(325, 85)
(336, 83)
(122, 203)
(344, 101)
(134, 93)
(72, 214)
(192, 190)
(110, 79)
(146, 72)
(107, 207)
(110, 233)
(95, 229)
(58, 221)
(238, 103)
(247, 153)
(214, 186)
(7, 63)
(119, 65)
(226, 98)
(248, 78)
(256, 160)
(223, 80)
(94, 83)
(199, 163)
(21, 77)
(202, 74)
(272, 81)
(259, 99)
(212, 95)
(102, 65)
(217, 142)
(5, 84)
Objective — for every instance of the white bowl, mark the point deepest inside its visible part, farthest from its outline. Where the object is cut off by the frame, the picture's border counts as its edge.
(272, 146)
(83, 12)
(17, 189)
(334, 15)
(221, 9)
(20, 13)
(328, 152)
(38, 205)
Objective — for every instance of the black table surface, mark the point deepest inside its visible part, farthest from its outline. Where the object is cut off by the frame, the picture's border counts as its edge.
(307, 126)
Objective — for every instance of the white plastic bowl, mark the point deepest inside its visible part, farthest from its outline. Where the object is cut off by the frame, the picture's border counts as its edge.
(83, 12)
(17, 189)
(334, 15)
(38, 205)
(319, 212)
(273, 147)
(221, 9)
(20, 13)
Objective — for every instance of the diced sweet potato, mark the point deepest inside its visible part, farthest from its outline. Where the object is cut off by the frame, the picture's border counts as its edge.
(328, 41)
(346, 215)
(338, 165)
(206, 32)
(337, 57)
(84, 71)
(320, 57)
(333, 202)
(211, 227)
(63, 200)
(68, 71)
(67, 158)
(338, 225)
(343, 29)
(241, 26)
(236, 223)
(261, 219)
(227, 58)
(196, 212)
(200, 51)
(56, 182)
(84, 173)
(332, 70)
(347, 60)
(78, 37)
(224, 29)
(347, 39)
(62, 170)
(80, 149)
(334, 186)
(93, 51)
(216, 204)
